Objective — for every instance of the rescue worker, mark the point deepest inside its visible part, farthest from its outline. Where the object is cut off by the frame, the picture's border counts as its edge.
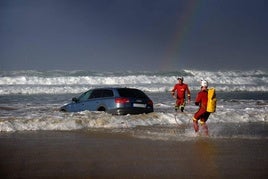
(201, 114)
(180, 88)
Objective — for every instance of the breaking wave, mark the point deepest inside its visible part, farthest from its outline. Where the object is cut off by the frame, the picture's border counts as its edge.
(60, 82)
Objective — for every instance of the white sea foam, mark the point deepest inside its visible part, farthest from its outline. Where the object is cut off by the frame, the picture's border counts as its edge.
(32, 82)
(30, 101)
(44, 118)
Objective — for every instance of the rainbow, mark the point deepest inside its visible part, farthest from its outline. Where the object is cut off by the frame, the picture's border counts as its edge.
(184, 23)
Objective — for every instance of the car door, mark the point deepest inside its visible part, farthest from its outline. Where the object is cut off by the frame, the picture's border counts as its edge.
(100, 100)
(95, 99)
(106, 102)
(92, 101)
(82, 102)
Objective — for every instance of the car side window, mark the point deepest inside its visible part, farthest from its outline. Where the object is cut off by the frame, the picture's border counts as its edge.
(133, 93)
(96, 94)
(107, 93)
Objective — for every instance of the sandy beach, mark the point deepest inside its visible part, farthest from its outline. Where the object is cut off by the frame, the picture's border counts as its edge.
(84, 154)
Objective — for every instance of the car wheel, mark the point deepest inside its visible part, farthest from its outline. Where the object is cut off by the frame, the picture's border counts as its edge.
(63, 110)
(101, 108)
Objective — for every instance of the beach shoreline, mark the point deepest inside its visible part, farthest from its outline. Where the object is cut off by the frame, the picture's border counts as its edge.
(100, 154)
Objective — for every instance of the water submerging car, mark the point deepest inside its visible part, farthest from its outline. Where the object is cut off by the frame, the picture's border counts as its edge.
(119, 101)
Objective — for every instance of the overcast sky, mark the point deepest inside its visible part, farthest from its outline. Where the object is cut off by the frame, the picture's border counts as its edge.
(152, 35)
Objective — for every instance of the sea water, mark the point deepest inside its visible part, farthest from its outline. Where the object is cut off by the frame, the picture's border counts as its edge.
(30, 101)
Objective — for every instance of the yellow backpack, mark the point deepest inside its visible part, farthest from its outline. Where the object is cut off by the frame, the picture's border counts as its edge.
(211, 105)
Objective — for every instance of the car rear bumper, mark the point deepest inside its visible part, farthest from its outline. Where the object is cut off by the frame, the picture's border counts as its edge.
(125, 111)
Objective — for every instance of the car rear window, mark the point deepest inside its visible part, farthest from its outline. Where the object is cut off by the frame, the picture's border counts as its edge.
(132, 93)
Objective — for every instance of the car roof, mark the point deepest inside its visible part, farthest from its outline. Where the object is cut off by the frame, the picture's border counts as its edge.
(113, 88)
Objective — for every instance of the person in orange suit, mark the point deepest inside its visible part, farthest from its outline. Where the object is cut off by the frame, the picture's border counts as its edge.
(178, 92)
(201, 114)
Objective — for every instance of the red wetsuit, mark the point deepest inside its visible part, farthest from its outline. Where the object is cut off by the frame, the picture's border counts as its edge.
(201, 100)
(181, 89)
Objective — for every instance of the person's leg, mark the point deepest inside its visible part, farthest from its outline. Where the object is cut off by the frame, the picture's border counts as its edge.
(203, 122)
(198, 115)
(195, 124)
(177, 105)
(204, 127)
(182, 105)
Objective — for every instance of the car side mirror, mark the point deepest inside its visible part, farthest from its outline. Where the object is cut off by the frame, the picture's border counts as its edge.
(75, 100)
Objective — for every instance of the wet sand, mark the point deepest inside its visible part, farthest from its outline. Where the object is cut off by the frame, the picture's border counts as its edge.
(83, 154)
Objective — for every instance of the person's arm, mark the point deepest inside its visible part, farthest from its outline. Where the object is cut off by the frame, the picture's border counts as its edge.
(173, 91)
(198, 99)
(188, 93)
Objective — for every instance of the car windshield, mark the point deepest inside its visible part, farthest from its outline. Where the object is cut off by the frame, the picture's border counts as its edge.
(84, 96)
(132, 93)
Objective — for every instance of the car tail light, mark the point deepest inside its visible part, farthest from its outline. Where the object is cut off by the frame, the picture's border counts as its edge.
(121, 100)
(150, 102)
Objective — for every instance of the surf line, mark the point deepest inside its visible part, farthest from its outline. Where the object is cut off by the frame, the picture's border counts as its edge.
(176, 118)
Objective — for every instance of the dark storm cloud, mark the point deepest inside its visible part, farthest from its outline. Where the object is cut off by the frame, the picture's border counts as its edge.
(132, 34)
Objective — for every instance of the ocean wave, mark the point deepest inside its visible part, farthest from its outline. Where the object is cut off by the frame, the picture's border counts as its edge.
(156, 126)
(47, 116)
(91, 120)
(41, 113)
(56, 82)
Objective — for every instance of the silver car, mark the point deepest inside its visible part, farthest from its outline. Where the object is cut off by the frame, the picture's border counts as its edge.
(119, 101)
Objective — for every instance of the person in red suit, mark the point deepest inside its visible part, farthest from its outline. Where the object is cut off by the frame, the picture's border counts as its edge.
(180, 89)
(201, 114)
